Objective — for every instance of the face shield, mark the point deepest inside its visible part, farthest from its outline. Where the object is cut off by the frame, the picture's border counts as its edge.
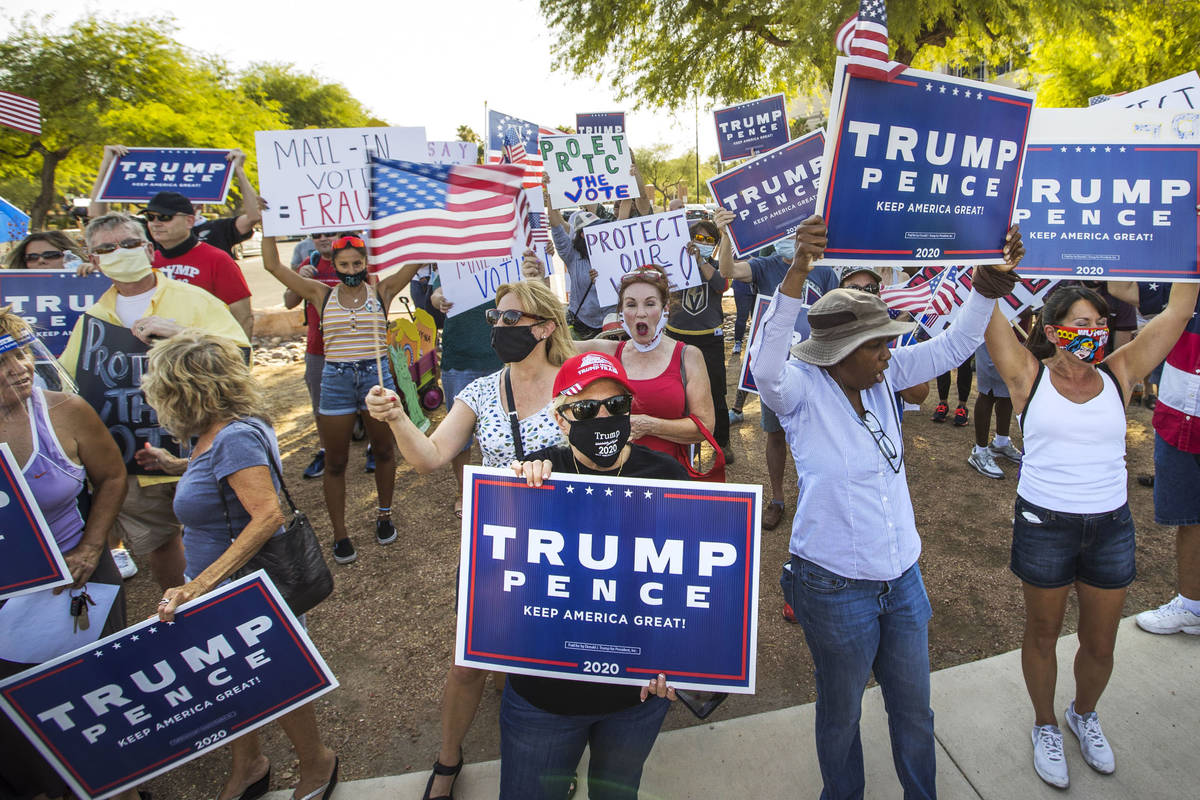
(25, 363)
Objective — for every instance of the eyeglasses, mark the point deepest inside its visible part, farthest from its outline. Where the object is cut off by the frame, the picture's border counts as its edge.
(885, 445)
(511, 317)
(343, 242)
(324, 236)
(124, 244)
(619, 405)
(870, 288)
(703, 238)
(45, 255)
(154, 217)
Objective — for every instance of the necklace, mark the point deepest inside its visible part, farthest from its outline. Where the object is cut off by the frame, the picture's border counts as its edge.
(576, 462)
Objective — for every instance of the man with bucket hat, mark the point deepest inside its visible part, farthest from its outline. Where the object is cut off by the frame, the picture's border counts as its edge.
(854, 580)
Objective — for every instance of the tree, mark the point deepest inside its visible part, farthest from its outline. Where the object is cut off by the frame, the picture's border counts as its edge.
(663, 172)
(466, 133)
(730, 50)
(305, 100)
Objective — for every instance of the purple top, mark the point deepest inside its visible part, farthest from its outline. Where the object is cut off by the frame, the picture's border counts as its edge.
(55, 480)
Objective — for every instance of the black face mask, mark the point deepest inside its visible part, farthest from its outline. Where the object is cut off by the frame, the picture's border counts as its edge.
(513, 343)
(601, 439)
(352, 278)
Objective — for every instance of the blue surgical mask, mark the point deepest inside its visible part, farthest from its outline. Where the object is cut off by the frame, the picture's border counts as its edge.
(786, 249)
(706, 250)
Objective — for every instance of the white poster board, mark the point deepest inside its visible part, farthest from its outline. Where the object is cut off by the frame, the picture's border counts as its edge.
(615, 248)
(592, 168)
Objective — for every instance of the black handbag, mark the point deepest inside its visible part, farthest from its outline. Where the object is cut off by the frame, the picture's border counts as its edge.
(293, 560)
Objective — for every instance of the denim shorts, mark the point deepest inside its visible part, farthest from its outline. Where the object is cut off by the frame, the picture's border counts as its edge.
(1051, 549)
(344, 385)
(1176, 485)
(767, 420)
(453, 382)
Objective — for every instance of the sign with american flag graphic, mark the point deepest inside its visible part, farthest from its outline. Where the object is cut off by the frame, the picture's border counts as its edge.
(20, 113)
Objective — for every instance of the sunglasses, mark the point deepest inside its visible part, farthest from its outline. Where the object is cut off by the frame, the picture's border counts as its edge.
(154, 217)
(619, 405)
(343, 242)
(870, 288)
(883, 441)
(324, 236)
(47, 255)
(704, 238)
(644, 274)
(511, 317)
(124, 244)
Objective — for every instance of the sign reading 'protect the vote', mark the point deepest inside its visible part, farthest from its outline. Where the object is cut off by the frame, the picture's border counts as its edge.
(51, 300)
(772, 194)
(930, 161)
(596, 168)
(615, 248)
(746, 129)
(611, 580)
(201, 175)
(29, 557)
(143, 701)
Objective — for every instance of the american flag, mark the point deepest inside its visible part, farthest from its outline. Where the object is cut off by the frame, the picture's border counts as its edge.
(515, 150)
(922, 295)
(868, 43)
(430, 212)
(21, 113)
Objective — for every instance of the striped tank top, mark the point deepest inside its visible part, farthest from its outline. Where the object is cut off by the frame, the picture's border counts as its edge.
(354, 334)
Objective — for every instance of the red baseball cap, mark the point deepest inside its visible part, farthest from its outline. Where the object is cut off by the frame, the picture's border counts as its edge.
(586, 368)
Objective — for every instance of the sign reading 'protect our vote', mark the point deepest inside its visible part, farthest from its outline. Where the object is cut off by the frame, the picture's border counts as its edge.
(156, 695)
(596, 168)
(615, 248)
(202, 175)
(747, 129)
(931, 160)
(611, 580)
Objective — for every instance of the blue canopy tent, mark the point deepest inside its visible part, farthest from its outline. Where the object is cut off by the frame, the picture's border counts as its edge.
(14, 223)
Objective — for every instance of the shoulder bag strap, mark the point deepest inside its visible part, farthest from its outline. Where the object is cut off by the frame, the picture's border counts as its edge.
(513, 420)
(1024, 415)
(274, 468)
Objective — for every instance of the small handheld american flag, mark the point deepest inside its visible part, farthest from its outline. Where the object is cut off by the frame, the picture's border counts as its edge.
(865, 39)
(935, 295)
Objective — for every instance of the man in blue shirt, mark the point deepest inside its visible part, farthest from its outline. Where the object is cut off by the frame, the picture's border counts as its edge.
(765, 273)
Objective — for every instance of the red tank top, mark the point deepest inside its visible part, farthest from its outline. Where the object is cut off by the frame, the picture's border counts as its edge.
(662, 396)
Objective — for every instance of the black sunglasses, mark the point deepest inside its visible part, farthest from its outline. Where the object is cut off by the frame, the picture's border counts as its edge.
(124, 244)
(152, 216)
(882, 441)
(619, 405)
(870, 288)
(46, 255)
(510, 317)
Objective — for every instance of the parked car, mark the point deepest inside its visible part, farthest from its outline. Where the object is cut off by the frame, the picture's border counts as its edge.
(249, 248)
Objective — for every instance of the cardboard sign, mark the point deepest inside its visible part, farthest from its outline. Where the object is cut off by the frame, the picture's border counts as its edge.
(594, 578)
(452, 152)
(29, 557)
(51, 300)
(109, 376)
(746, 381)
(468, 284)
(612, 122)
(931, 160)
(588, 169)
(1182, 91)
(746, 129)
(201, 175)
(771, 194)
(317, 180)
(156, 695)
(615, 248)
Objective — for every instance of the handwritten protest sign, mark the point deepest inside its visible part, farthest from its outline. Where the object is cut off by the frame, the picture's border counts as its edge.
(468, 284)
(50, 300)
(588, 169)
(317, 180)
(771, 194)
(201, 175)
(30, 560)
(156, 695)
(1182, 91)
(610, 122)
(615, 248)
(746, 129)
(591, 578)
(933, 162)
(452, 152)
(1111, 201)
(109, 374)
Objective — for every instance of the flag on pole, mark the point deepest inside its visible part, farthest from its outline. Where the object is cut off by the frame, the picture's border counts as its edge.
(431, 212)
(20, 113)
(515, 151)
(933, 296)
(865, 39)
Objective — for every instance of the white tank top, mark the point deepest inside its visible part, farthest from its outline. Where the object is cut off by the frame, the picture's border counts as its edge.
(1074, 452)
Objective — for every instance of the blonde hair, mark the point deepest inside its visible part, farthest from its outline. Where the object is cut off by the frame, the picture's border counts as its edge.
(195, 379)
(537, 300)
(13, 325)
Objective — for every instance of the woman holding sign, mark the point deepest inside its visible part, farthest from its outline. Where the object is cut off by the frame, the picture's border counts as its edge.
(545, 723)
(354, 328)
(1071, 523)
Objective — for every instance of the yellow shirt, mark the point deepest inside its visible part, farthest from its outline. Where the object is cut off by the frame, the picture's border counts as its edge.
(187, 305)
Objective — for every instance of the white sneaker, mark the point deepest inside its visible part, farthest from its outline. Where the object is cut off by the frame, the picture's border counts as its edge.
(1048, 758)
(984, 463)
(1096, 751)
(1008, 451)
(124, 562)
(1171, 617)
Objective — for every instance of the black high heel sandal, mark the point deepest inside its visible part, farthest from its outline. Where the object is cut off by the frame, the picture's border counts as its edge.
(254, 790)
(441, 769)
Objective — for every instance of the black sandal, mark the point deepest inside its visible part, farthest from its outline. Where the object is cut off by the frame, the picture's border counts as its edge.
(441, 769)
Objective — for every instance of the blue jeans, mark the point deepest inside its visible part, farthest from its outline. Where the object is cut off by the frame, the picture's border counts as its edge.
(854, 627)
(540, 751)
(344, 385)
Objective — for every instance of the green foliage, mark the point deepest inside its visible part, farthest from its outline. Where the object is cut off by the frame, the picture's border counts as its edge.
(304, 99)
(466, 133)
(663, 172)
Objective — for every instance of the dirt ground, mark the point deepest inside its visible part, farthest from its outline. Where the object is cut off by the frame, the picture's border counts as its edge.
(388, 629)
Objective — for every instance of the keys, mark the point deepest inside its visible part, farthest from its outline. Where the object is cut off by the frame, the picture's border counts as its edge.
(79, 610)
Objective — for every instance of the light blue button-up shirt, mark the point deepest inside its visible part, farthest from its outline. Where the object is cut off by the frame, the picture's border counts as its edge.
(854, 516)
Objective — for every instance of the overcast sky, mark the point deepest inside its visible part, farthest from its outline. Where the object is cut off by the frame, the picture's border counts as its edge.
(411, 63)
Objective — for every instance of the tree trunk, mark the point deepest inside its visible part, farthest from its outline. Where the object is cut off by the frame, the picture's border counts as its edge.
(45, 198)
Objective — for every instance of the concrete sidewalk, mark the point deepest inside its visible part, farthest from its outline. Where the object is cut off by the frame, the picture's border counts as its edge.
(1150, 712)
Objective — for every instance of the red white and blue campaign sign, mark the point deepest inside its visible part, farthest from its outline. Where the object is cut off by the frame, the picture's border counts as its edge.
(156, 695)
(747, 129)
(921, 170)
(29, 557)
(771, 194)
(746, 382)
(611, 122)
(611, 580)
(201, 175)
(51, 300)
